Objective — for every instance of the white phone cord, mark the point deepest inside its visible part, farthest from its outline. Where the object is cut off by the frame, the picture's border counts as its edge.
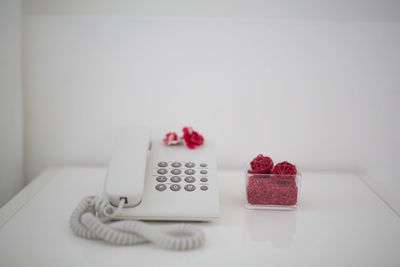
(91, 220)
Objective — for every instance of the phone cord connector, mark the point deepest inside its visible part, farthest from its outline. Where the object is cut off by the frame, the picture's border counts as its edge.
(91, 219)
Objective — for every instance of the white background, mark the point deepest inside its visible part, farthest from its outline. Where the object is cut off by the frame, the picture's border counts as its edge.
(309, 82)
(11, 106)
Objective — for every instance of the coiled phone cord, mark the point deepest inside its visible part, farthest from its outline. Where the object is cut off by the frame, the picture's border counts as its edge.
(91, 220)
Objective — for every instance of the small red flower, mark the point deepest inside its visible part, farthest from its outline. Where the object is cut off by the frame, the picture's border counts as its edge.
(284, 168)
(261, 164)
(171, 139)
(192, 139)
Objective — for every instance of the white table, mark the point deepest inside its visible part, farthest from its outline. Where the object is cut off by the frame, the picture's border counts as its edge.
(340, 222)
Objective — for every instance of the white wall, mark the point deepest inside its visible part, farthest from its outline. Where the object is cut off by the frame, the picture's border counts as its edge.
(11, 123)
(318, 86)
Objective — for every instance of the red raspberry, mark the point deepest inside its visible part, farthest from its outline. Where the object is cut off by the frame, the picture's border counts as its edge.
(261, 164)
(285, 168)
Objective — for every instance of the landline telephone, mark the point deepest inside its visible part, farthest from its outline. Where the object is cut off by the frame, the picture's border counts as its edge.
(159, 182)
(150, 181)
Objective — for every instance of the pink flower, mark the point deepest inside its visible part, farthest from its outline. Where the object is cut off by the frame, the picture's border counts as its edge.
(192, 139)
(284, 168)
(171, 139)
(261, 164)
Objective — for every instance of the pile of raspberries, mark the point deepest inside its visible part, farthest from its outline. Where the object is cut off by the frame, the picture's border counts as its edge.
(271, 185)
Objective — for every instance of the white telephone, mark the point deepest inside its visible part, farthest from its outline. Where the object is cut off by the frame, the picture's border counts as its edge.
(159, 182)
(150, 181)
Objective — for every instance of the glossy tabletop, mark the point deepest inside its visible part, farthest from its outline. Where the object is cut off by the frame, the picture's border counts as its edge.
(340, 222)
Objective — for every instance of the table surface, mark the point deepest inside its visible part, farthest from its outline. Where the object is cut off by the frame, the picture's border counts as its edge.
(340, 222)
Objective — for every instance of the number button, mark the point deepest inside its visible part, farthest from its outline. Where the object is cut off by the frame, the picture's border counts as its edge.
(189, 165)
(175, 179)
(162, 164)
(175, 187)
(203, 171)
(190, 172)
(176, 164)
(190, 187)
(161, 179)
(161, 187)
(162, 171)
(190, 179)
(176, 171)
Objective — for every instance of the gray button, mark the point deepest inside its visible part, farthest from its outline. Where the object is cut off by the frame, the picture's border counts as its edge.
(175, 179)
(190, 187)
(203, 171)
(176, 164)
(203, 165)
(176, 171)
(189, 165)
(204, 179)
(204, 187)
(161, 187)
(162, 171)
(162, 164)
(189, 171)
(175, 187)
(190, 179)
(161, 179)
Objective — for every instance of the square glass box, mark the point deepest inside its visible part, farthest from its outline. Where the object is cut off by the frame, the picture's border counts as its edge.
(272, 191)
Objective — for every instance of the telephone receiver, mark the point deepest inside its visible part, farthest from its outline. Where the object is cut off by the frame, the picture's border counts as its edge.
(127, 168)
(159, 182)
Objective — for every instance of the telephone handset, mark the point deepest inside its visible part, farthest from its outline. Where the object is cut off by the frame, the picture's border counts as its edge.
(127, 168)
(158, 182)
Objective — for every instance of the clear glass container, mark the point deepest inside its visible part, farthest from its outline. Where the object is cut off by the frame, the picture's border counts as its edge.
(272, 191)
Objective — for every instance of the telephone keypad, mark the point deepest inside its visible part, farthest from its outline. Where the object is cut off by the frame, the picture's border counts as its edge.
(162, 164)
(161, 179)
(176, 164)
(190, 187)
(176, 179)
(175, 187)
(190, 172)
(161, 187)
(176, 171)
(190, 179)
(162, 171)
(169, 176)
